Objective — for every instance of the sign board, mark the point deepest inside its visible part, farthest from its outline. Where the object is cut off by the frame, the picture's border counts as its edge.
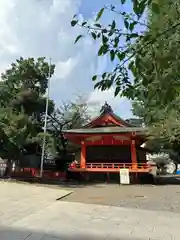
(124, 176)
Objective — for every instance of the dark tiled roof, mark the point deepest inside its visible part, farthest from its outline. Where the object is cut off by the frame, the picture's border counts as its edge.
(137, 130)
(136, 122)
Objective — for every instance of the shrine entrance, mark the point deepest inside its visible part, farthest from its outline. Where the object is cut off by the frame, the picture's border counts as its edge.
(108, 153)
(108, 144)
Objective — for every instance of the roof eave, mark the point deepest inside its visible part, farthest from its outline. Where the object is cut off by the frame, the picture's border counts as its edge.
(81, 132)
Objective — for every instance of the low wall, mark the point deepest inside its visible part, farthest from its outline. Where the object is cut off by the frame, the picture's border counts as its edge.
(33, 173)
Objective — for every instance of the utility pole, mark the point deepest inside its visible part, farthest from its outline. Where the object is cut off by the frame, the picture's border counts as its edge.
(45, 121)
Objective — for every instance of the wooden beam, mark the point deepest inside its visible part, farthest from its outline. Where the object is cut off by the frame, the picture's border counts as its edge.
(83, 155)
(109, 142)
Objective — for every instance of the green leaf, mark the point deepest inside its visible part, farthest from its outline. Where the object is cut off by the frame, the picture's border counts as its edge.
(112, 55)
(73, 23)
(131, 65)
(104, 39)
(98, 85)
(108, 83)
(104, 30)
(116, 42)
(155, 8)
(77, 39)
(139, 7)
(113, 25)
(123, 1)
(142, 6)
(111, 32)
(126, 24)
(103, 50)
(132, 25)
(135, 7)
(94, 77)
(117, 91)
(84, 23)
(100, 52)
(112, 7)
(104, 75)
(134, 35)
(100, 13)
(121, 56)
(93, 35)
(97, 25)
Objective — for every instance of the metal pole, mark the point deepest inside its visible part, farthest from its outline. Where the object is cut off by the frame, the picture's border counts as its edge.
(45, 120)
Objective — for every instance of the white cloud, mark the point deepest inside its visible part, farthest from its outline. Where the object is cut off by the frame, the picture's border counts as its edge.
(119, 105)
(64, 68)
(42, 28)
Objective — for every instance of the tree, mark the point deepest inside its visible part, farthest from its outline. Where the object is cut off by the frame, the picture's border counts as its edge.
(157, 99)
(119, 44)
(159, 68)
(70, 115)
(23, 86)
(22, 101)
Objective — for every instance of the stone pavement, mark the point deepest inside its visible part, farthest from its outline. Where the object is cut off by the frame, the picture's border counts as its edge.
(46, 219)
(19, 200)
(100, 222)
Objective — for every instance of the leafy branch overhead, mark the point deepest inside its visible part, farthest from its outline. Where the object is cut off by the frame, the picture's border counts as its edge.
(125, 45)
(157, 99)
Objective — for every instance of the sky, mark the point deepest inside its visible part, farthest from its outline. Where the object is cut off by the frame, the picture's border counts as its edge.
(36, 28)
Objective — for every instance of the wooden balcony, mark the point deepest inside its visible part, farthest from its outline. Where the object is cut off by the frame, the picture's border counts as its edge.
(110, 167)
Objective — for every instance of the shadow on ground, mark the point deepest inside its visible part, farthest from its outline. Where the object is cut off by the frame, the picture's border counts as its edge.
(156, 180)
(167, 180)
(78, 183)
(67, 185)
(12, 234)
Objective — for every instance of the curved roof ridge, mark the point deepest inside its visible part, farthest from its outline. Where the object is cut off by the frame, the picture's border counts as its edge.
(107, 110)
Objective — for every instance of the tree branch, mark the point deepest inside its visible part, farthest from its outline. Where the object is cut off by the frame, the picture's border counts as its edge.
(149, 43)
(123, 14)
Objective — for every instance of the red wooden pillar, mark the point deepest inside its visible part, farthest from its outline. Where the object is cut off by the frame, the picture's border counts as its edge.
(133, 154)
(83, 155)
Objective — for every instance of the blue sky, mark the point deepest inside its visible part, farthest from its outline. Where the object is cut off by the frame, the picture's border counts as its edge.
(35, 28)
(87, 9)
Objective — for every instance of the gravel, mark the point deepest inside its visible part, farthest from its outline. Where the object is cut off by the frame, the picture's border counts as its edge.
(160, 197)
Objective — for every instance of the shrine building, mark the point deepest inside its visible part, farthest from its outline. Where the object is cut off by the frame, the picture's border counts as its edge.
(108, 144)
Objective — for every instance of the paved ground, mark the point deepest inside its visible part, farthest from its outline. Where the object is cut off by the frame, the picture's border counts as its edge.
(20, 200)
(160, 197)
(32, 213)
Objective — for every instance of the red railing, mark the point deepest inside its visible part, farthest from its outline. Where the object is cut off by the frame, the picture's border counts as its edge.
(113, 165)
